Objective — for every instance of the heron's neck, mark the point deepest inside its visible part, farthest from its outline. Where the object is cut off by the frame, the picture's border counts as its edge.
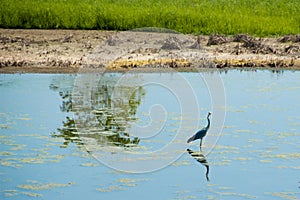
(208, 122)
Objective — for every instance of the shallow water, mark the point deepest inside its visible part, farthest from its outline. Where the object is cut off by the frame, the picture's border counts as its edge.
(64, 136)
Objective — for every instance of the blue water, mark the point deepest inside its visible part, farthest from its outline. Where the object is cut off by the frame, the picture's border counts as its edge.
(256, 155)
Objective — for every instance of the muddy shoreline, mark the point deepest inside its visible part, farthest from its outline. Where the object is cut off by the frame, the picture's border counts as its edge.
(69, 51)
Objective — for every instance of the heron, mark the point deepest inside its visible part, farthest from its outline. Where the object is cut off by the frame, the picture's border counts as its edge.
(201, 133)
(201, 159)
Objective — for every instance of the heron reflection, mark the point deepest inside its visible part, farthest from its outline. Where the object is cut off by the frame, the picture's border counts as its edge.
(201, 159)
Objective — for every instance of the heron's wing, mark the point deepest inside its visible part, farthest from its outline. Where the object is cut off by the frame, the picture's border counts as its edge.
(191, 138)
(197, 135)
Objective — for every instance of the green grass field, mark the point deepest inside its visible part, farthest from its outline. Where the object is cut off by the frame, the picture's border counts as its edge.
(256, 17)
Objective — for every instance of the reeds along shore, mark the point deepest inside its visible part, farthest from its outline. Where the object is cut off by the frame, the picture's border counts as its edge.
(255, 17)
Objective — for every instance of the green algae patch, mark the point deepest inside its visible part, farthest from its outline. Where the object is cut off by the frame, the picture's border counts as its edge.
(13, 193)
(23, 118)
(89, 164)
(181, 163)
(47, 186)
(9, 163)
(4, 126)
(285, 195)
(120, 184)
(5, 153)
(265, 161)
(130, 181)
(285, 156)
(109, 189)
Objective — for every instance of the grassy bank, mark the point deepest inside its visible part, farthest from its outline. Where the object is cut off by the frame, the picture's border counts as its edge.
(256, 17)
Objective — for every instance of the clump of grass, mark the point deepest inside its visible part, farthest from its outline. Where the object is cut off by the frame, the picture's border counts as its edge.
(256, 17)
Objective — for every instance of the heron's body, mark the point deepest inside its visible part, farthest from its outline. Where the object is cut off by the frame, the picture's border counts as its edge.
(201, 133)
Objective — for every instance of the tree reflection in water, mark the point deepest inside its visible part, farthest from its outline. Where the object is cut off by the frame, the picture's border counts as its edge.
(108, 117)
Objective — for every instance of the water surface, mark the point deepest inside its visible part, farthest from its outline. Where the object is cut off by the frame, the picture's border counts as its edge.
(49, 139)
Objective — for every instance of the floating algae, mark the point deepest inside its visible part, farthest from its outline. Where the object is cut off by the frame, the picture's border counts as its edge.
(109, 189)
(243, 158)
(23, 118)
(225, 191)
(12, 193)
(33, 185)
(9, 163)
(4, 126)
(285, 195)
(40, 186)
(121, 184)
(184, 194)
(285, 156)
(128, 182)
(5, 153)
(265, 161)
(89, 164)
(181, 163)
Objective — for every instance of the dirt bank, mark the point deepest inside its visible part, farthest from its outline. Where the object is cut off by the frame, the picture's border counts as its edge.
(59, 51)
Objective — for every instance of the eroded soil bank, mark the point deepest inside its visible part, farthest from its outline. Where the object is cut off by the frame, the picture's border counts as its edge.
(61, 51)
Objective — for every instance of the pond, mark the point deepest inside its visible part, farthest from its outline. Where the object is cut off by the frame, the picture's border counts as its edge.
(117, 135)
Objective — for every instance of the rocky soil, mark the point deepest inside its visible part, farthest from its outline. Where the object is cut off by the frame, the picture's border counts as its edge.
(60, 51)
